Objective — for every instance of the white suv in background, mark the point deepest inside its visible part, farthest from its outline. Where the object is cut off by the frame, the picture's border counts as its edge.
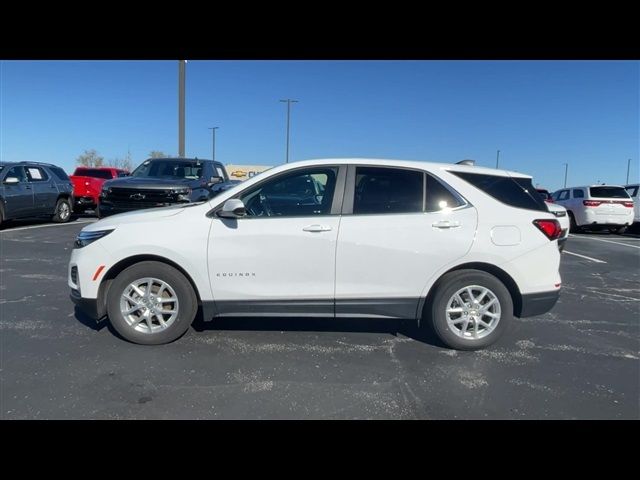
(632, 190)
(597, 207)
(460, 249)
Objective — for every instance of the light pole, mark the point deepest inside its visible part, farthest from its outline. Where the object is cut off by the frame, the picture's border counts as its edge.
(497, 158)
(181, 81)
(628, 166)
(213, 146)
(566, 168)
(289, 102)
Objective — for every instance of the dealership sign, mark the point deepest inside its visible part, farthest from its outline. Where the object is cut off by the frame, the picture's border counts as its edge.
(243, 172)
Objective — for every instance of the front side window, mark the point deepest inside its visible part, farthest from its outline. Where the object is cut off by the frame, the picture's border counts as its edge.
(299, 193)
(577, 193)
(36, 174)
(388, 190)
(17, 172)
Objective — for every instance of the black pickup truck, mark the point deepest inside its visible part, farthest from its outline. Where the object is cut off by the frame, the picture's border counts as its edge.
(159, 182)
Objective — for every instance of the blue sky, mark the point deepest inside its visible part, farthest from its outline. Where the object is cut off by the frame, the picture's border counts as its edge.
(540, 114)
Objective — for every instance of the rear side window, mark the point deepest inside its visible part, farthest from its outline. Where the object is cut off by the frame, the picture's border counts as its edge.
(608, 192)
(37, 174)
(577, 193)
(388, 190)
(59, 173)
(563, 195)
(632, 191)
(439, 197)
(516, 192)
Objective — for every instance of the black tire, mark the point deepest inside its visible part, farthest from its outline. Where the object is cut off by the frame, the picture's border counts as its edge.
(188, 302)
(435, 312)
(63, 211)
(574, 228)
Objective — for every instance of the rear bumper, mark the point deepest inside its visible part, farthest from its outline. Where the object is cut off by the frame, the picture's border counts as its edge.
(538, 303)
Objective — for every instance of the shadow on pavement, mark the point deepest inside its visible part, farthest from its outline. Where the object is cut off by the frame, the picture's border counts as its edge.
(408, 328)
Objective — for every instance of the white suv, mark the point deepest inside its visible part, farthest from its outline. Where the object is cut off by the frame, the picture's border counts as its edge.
(597, 207)
(632, 190)
(461, 249)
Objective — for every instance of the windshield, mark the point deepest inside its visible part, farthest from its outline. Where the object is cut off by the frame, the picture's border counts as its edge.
(169, 169)
(608, 192)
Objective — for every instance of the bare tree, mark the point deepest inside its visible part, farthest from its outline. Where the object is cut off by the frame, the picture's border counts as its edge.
(158, 154)
(122, 163)
(90, 158)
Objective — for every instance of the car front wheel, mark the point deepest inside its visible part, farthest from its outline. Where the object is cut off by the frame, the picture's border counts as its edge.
(470, 309)
(151, 303)
(63, 211)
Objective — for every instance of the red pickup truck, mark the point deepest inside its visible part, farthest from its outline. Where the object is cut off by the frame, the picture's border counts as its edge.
(87, 184)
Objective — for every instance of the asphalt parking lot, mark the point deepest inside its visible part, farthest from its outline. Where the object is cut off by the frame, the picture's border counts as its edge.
(580, 361)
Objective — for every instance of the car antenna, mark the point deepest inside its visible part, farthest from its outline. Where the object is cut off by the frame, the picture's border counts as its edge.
(466, 162)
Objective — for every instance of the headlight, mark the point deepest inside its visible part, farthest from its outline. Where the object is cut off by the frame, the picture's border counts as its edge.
(85, 238)
(105, 191)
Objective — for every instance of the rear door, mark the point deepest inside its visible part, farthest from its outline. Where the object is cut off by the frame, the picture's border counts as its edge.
(45, 192)
(18, 197)
(399, 227)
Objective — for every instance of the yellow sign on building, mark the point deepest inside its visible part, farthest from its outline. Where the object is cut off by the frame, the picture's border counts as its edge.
(243, 172)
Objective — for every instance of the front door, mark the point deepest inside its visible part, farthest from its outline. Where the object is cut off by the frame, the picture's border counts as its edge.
(280, 258)
(400, 226)
(18, 197)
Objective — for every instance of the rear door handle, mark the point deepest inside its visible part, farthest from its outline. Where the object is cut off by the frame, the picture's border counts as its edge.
(445, 224)
(317, 228)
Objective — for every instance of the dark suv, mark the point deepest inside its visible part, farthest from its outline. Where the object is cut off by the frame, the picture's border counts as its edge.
(159, 182)
(32, 189)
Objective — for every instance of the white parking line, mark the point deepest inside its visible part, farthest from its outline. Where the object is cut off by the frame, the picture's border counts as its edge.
(584, 256)
(47, 225)
(601, 240)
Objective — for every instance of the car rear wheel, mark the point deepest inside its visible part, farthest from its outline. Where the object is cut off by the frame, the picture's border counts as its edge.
(151, 303)
(470, 309)
(574, 228)
(63, 211)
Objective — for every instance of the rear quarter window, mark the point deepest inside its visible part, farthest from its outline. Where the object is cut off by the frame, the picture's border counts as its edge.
(513, 191)
(59, 173)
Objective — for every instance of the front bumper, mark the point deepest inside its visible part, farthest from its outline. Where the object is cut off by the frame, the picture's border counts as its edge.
(538, 303)
(88, 306)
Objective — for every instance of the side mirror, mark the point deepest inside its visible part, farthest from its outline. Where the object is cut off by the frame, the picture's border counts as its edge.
(11, 181)
(232, 208)
(215, 181)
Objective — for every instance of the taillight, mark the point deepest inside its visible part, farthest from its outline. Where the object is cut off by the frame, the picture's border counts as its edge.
(591, 203)
(551, 228)
(627, 204)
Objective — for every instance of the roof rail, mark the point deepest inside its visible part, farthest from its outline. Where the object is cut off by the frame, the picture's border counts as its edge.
(466, 162)
(36, 163)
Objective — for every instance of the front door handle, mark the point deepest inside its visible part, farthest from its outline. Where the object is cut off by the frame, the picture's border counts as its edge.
(445, 224)
(317, 228)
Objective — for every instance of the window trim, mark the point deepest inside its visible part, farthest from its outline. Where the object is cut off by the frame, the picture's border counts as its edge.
(336, 201)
